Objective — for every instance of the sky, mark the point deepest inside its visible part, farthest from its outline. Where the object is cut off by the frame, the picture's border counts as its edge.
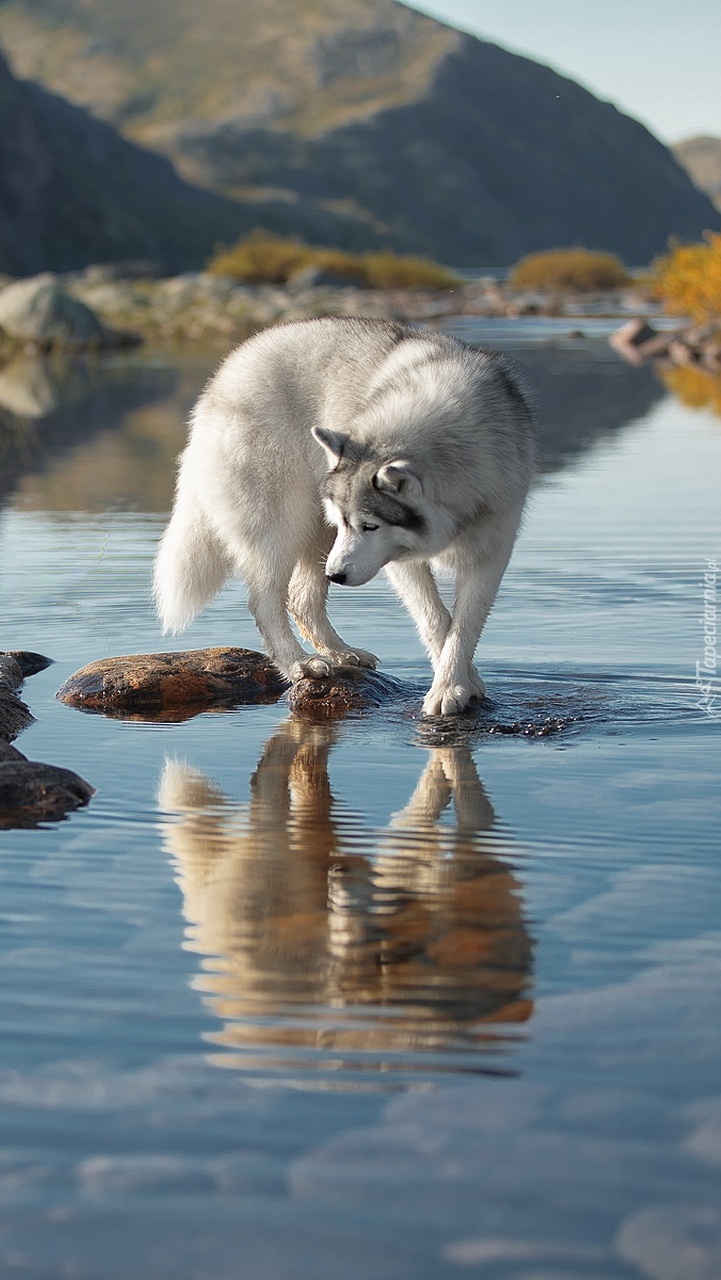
(657, 61)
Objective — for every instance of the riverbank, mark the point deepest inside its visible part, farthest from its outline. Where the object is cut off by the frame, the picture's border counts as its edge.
(199, 307)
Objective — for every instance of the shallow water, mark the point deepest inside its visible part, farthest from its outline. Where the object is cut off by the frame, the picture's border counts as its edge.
(373, 999)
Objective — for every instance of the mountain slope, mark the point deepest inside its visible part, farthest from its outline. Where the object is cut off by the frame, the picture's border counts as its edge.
(73, 191)
(701, 158)
(437, 141)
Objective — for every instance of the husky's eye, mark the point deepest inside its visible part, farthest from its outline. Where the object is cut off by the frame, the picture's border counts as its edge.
(367, 527)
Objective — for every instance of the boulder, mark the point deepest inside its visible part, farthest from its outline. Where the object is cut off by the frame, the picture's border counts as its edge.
(29, 663)
(630, 337)
(14, 667)
(31, 792)
(347, 690)
(173, 686)
(38, 312)
(14, 714)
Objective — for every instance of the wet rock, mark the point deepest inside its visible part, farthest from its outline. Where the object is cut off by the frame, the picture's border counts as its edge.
(29, 663)
(348, 690)
(15, 665)
(11, 675)
(31, 792)
(173, 686)
(14, 714)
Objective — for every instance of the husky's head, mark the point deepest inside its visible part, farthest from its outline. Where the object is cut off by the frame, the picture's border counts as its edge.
(376, 508)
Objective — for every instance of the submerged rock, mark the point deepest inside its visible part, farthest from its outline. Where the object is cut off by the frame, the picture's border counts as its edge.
(347, 690)
(173, 686)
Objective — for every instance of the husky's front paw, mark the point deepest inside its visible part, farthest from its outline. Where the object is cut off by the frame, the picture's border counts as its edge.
(313, 668)
(353, 658)
(446, 699)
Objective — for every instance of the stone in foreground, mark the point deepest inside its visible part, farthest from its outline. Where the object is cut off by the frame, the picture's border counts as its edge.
(173, 686)
(31, 792)
(347, 690)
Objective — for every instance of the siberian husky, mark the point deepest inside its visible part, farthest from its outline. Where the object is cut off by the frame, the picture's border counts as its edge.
(325, 450)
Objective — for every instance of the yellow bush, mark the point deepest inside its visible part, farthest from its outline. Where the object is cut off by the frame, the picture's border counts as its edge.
(696, 388)
(400, 271)
(262, 258)
(688, 280)
(572, 270)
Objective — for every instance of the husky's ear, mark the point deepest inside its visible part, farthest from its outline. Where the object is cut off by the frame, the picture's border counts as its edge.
(397, 477)
(333, 443)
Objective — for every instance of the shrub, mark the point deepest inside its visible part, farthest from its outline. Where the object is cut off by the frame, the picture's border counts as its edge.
(400, 271)
(262, 258)
(575, 270)
(688, 280)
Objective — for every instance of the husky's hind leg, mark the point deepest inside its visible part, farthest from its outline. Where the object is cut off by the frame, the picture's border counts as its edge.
(307, 596)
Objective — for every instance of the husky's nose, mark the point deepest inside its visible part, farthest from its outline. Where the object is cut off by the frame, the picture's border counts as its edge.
(338, 577)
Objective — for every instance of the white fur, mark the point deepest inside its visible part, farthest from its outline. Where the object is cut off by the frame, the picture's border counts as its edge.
(336, 418)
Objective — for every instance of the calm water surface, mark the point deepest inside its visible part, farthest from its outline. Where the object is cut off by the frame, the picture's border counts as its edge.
(370, 1000)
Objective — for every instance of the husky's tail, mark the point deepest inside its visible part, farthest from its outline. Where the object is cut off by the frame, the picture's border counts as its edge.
(191, 565)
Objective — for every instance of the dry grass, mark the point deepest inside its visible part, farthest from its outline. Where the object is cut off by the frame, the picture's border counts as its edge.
(570, 271)
(262, 258)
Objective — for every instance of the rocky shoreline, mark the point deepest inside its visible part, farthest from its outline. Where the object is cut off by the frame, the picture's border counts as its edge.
(100, 308)
(638, 342)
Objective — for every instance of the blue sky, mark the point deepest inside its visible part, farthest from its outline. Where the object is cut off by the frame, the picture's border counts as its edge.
(657, 61)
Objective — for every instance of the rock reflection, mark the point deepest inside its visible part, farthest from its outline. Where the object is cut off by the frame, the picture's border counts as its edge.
(319, 934)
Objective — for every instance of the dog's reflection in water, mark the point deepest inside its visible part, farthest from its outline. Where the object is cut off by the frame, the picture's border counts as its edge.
(318, 933)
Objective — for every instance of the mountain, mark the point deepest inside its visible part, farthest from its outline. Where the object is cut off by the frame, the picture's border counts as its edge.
(73, 191)
(701, 158)
(366, 112)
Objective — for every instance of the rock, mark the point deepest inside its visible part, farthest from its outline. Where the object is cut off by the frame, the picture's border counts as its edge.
(40, 312)
(346, 691)
(14, 714)
(31, 793)
(29, 663)
(630, 337)
(11, 675)
(173, 686)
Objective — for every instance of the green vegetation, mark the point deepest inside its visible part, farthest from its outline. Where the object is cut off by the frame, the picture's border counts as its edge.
(262, 258)
(688, 280)
(569, 270)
